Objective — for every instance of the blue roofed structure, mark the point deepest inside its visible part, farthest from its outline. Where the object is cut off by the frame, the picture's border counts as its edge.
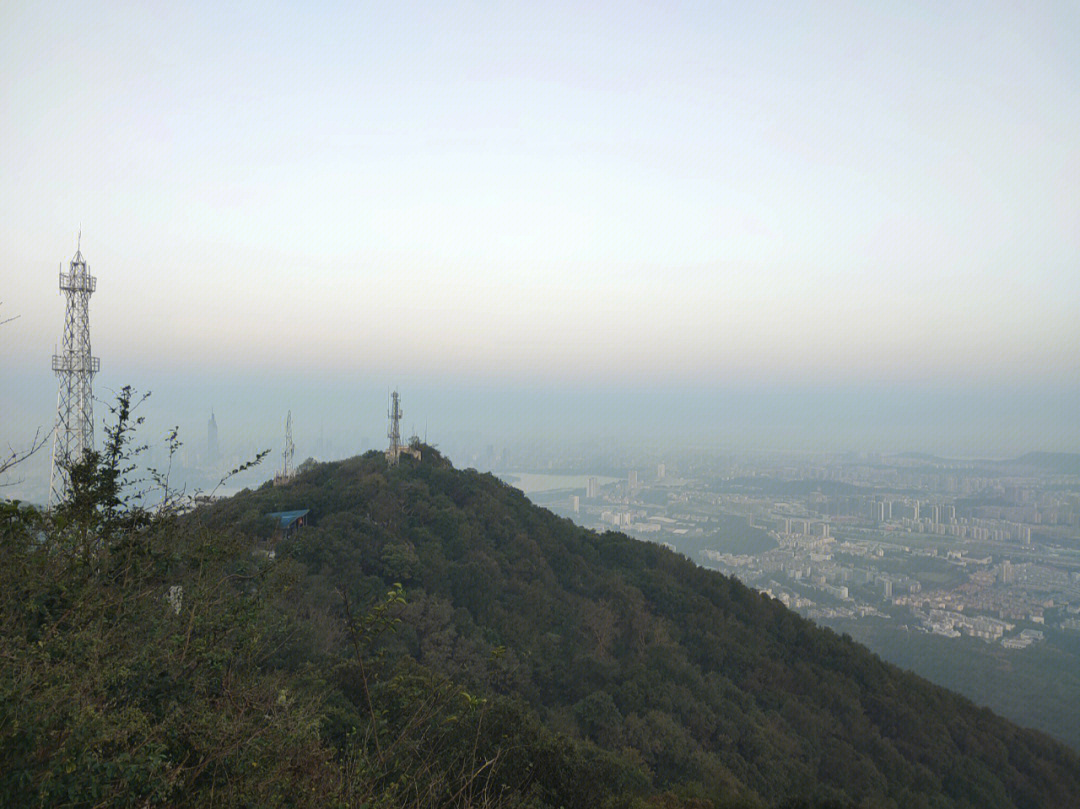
(289, 521)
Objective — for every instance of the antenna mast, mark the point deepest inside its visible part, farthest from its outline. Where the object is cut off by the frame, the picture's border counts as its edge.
(394, 430)
(287, 471)
(396, 449)
(75, 367)
(289, 447)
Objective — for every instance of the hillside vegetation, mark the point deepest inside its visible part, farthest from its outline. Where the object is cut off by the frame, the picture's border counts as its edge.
(683, 675)
(433, 639)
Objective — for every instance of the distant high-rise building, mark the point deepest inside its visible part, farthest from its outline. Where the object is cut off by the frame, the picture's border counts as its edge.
(212, 453)
(661, 471)
(592, 489)
(632, 479)
(575, 503)
(1008, 574)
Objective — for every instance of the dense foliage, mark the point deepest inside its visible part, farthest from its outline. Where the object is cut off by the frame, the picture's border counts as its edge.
(152, 660)
(684, 675)
(433, 639)
(1037, 687)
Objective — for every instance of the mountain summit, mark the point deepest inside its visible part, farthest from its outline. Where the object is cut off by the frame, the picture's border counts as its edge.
(678, 679)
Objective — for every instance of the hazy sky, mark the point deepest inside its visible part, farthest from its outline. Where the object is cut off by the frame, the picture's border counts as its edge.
(531, 194)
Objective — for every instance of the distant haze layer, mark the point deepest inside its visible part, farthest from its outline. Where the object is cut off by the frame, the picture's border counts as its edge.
(349, 413)
(698, 195)
(790, 225)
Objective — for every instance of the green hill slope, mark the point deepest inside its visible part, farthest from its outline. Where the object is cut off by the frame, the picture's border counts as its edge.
(676, 677)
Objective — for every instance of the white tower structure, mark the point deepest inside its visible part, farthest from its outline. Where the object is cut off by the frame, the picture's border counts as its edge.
(75, 367)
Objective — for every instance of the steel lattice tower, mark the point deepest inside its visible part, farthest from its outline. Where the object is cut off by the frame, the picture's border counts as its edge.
(287, 455)
(287, 470)
(75, 368)
(393, 431)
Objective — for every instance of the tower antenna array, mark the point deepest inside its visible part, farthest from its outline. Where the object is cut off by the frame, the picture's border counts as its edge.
(396, 449)
(289, 447)
(287, 470)
(394, 430)
(75, 367)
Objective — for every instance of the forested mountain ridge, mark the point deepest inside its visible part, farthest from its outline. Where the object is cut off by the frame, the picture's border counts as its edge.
(685, 679)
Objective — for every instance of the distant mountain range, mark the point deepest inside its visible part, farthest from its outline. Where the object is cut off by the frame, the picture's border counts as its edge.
(1062, 463)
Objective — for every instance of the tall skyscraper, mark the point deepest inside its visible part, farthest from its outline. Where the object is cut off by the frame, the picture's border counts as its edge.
(212, 453)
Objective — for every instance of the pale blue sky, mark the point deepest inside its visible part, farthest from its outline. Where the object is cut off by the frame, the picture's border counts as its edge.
(621, 194)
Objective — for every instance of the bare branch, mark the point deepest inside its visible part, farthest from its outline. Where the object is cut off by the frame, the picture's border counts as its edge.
(14, 457)
(2, 322)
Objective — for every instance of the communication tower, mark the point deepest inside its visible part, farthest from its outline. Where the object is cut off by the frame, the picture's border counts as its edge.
(394, 430)
(396, 450)
(287, 470)
(75, 367)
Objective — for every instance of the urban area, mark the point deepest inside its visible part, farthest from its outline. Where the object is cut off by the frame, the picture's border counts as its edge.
(987, 549)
